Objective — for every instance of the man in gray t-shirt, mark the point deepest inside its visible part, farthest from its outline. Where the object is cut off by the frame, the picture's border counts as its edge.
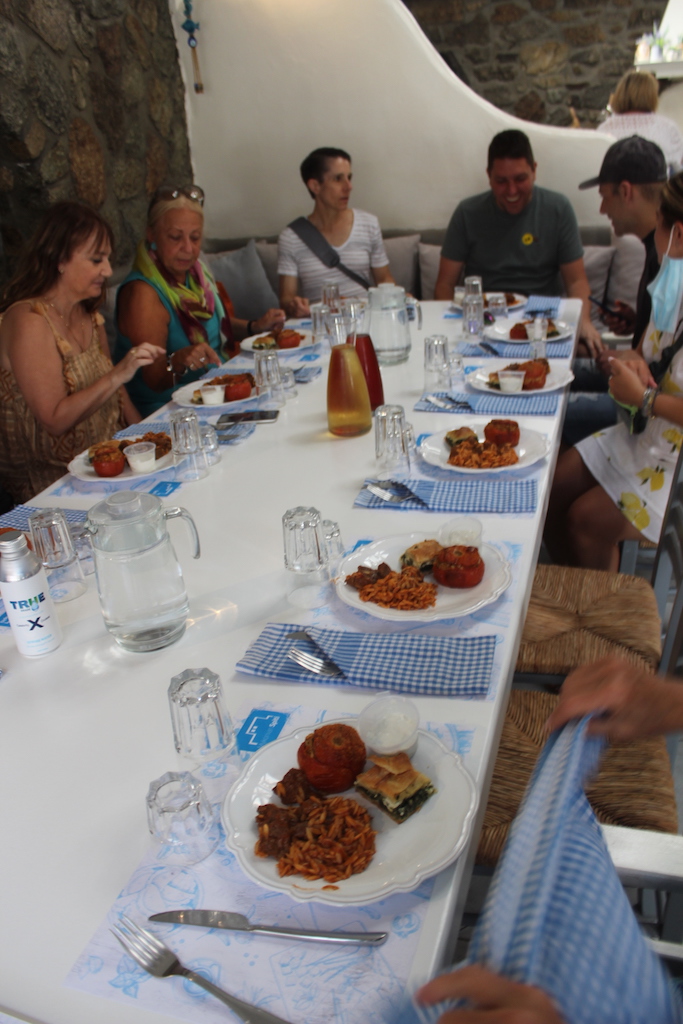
(517, 237)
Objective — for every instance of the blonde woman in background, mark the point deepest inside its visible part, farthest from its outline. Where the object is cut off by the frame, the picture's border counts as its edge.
(634, 112)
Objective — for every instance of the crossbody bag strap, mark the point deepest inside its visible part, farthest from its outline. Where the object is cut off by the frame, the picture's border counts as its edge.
(659, 367)
(320, 247)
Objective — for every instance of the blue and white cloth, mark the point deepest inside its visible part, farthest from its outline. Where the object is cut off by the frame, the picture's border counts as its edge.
(305, 374)
(555, 350)
(17, 519)
(465, 496)
(495, 405)
(556, 915)
(545, 304)
(237, 431)
(426, 665)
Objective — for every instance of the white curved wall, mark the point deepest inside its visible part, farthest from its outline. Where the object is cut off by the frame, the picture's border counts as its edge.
(284, 76)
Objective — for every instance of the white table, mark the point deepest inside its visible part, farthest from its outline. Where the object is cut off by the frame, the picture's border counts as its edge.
(84, 730)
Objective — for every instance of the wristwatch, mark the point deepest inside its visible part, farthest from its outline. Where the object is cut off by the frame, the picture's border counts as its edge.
(648, 402)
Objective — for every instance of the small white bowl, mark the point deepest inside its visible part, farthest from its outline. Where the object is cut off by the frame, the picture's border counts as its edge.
(511, 380)
(460, 530)
(213, 394)
(389, 725)
(141, 456)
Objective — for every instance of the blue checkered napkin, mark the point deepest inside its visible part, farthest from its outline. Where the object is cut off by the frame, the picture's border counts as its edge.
(556, 915)
(465, 495)
(238, 431)
(304, 374)
(545, 304)
(495, 405)
(555, 350)
(427, 665)
(17, 519)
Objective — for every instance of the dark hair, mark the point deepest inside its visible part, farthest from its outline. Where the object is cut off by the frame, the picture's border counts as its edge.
(64, 227)
(671, 206)
(316, 163)
(510, 145)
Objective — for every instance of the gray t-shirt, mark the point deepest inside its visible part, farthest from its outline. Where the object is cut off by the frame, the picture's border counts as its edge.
(520, 252)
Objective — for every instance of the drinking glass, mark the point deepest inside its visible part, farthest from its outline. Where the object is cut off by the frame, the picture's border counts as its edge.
(538, 331)
(455, 363)
(202, 727)
(288, 382)
(341, 326)
(330, 295)
(437, 368)
(189, 457)
(390, 439)
(268, 380)
(498, 307)
(181, 819)
(53, 545)
(473, 286)
(334, 546)
(318, 313)
(305, 556)
(210, 443)
(458, 295)
(473, 315)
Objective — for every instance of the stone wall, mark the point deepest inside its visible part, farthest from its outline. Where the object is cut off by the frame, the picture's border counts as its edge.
(538, 58)
(92, 108)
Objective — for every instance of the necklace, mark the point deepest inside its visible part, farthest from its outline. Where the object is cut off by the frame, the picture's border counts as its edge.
(67, 324)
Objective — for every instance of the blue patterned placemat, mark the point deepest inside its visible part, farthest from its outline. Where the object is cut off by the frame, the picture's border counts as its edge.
(238, 431)
(17, 519)
(546, 304)
(465, 496)
(555, 350)
(427, 665)
(493, 405)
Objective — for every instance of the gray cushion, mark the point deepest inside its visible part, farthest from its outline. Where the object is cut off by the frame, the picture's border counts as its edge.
(627, 269)
(597, 260)
(245, 280)
(268, 255)
(429, 256)
(402, 253)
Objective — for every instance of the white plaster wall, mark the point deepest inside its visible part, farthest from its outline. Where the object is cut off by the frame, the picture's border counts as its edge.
(282, 77)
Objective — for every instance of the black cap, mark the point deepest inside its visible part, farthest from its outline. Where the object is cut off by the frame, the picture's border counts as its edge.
(634, 159)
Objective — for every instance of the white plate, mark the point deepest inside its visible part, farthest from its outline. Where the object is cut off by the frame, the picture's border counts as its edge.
(520, 300)
(532, 448)
(558, 377)
(405, 854)
(500, 331)
(450, 603)
(248, 344)
(183, 396)
(81, 468)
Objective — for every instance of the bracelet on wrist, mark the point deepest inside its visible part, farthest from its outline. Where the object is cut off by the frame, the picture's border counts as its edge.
(648, 401)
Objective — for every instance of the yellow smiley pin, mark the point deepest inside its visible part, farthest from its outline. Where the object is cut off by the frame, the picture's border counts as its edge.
(527, 239)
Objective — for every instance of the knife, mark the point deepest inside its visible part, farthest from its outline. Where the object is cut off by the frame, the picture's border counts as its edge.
(238, 922)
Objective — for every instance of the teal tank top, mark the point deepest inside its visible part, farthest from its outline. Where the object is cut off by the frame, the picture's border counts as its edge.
(144, 398)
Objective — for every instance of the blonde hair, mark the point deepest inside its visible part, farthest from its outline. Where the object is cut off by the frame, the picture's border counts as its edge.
(637, 92)
(162, 206)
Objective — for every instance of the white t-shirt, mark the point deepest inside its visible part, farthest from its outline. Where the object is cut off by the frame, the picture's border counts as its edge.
(655, 127)
(362, 250)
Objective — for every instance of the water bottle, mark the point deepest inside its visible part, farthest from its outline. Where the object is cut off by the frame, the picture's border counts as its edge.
(26, 596)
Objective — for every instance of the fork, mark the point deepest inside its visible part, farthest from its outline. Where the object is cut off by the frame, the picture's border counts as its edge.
(381, 492)
(445, 402)
(158, 960)
(312, 663)
(488, 348)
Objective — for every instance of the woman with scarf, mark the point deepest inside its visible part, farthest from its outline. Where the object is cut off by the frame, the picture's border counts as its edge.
(170, 299)
(634, 462)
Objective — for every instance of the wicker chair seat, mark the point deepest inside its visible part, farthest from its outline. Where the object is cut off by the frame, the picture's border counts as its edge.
(575, 617)
(579, 615)
(634, 786)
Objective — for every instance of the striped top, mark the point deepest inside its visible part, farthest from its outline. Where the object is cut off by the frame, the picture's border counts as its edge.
(362, 250)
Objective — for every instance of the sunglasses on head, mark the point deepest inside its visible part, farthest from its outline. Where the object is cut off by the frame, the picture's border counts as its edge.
(168, 192)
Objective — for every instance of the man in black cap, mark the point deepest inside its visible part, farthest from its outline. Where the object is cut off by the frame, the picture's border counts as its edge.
(630, 183)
